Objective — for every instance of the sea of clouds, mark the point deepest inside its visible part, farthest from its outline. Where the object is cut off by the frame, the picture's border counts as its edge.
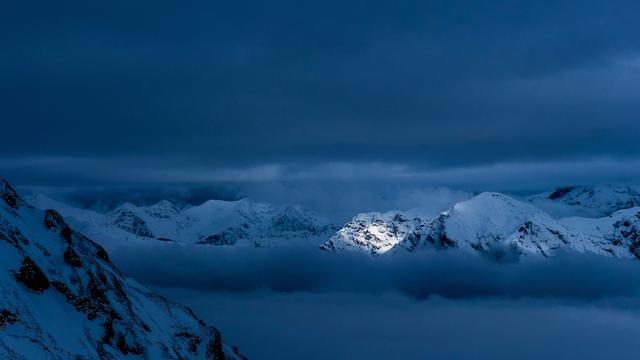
(447, 274)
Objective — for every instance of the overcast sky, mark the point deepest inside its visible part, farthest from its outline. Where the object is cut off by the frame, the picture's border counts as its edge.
(135, 91)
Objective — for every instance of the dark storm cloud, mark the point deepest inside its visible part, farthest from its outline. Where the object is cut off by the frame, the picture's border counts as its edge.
(210, 83)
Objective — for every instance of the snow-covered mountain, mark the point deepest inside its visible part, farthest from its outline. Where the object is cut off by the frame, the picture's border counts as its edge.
(215, 222)
(591, 201)
(62, 298)
(493, 225)
(374, 233)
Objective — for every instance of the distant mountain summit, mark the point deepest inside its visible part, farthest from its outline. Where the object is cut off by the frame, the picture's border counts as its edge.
(62, 298)
(126, 217)
(215, 222)
(374, 233)
(595, 201)
(492, 225)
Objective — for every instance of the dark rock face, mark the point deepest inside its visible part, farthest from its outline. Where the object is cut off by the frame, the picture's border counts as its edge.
(193, 340)
(53, 221)
(430, 233)
(561, 192)
(628, 232)
(11, 234)
(102, 253)
(162, 210)
(9, 194)
(71, 258)
(126, 349)
(225, 237)
(31, 276)
(7, 317)
(128, 221)
(215, 346)
(294, 220)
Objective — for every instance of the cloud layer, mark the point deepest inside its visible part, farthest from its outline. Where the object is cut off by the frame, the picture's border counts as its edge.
(417, 275)
(453, 83)
(313, 326)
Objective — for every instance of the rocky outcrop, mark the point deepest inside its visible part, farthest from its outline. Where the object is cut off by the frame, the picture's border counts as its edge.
(374, 233)
(31, 276)
(131, 223)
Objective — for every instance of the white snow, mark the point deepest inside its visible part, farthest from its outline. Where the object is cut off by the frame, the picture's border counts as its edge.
(489, 223)
(492, 224)
(586, 201)
(239, 223)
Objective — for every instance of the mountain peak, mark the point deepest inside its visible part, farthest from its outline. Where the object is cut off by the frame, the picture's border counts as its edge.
(494, 208)
(164, 204)
(374, 233)
(162, 209)
(593, 201)
(126, 206)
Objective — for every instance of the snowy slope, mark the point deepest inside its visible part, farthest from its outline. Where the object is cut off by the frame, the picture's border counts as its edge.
(63, 299)
(215, 222)
(493, 225)
(590, 201)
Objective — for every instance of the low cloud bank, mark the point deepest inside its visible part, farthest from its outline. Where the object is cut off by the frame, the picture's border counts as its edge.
(418, 276)
(267, 325)
(305, 303)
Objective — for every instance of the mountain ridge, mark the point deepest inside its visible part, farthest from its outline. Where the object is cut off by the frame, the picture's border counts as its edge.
(588, 201)
(495, 225)
(490, 223)
(53, 276)
(214, 222)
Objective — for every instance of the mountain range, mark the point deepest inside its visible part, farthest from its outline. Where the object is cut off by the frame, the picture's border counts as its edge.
(215, 222)
(493, 225)
(603, 220)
